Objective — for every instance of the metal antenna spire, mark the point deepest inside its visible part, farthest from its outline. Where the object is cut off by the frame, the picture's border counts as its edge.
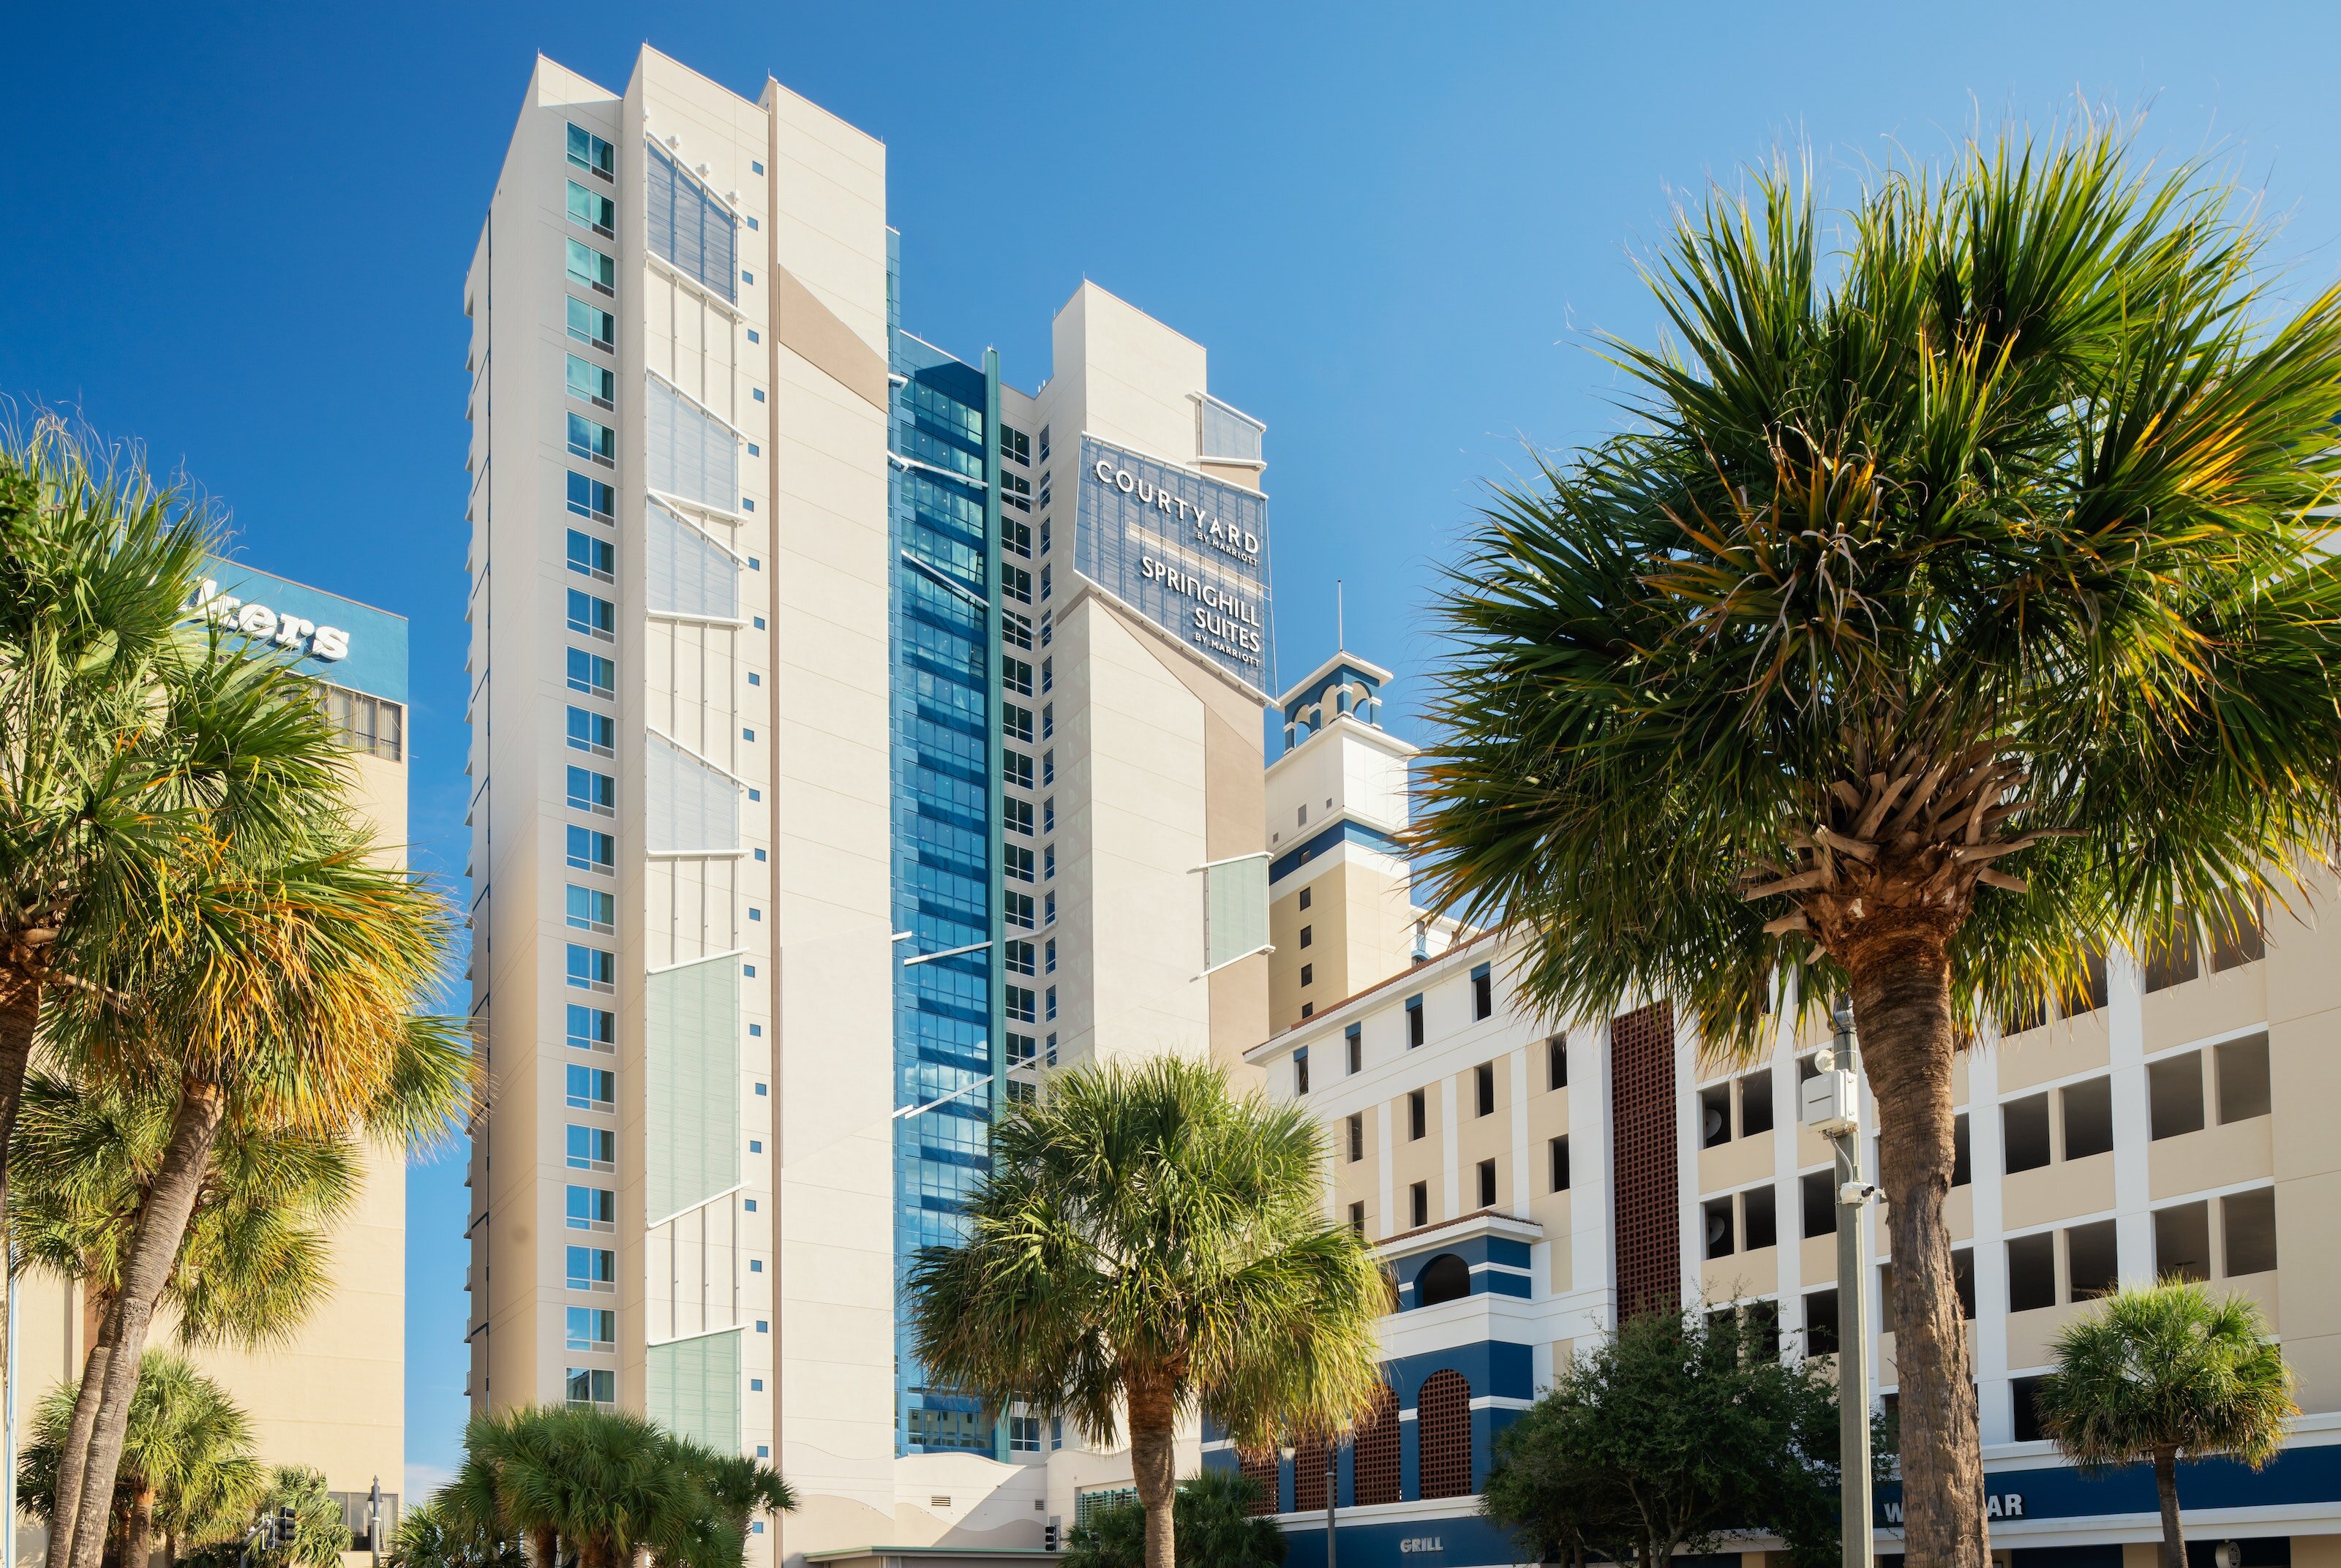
(1340, 637)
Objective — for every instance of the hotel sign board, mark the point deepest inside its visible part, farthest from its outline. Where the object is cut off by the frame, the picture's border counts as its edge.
(1189, 553)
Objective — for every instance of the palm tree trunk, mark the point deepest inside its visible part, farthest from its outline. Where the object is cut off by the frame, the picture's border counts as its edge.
(76, 1449)
(154, 1244)
(1902, 1003)
(1154, 1466)
(2166, 1487)
(140, 1544)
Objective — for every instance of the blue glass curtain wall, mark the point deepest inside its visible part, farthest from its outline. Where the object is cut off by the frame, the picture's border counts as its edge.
(945, 824)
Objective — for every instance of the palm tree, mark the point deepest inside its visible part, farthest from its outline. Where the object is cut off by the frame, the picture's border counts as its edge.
(736, 1488)
(608, 1484)
(1217, 1522)
(1146, 1242)
(437, 1535)
(127, 738)
(2159, 1373)
(285, 1000)
(1955, 606)
(188, 1468)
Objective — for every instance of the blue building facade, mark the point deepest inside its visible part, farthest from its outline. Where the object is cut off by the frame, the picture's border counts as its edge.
(944, 635)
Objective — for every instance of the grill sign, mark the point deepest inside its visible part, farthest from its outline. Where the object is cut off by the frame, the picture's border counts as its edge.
(1189, 553)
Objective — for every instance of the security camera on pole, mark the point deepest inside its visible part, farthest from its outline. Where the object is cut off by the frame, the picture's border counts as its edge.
(1829, 1103)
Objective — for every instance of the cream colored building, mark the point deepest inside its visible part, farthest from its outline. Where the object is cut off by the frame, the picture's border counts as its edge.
(854, 737)
(1522, 1175)
(334, 1396)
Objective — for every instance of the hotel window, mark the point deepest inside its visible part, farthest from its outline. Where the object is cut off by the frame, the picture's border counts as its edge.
(1483, 1087)
(1019, 957)
(592, 792)
(591, 325)
(1418, 1199)
(1044, 443)
(592, 557)
(593, 674)
(1048, 719)
(1483, 992)
(1486, 1184)
(1556, 1062)
(372, 725)
(1021, 1051)
(1015, 445)
(2247, 1222)
(597, 384)
(1049, 909)
(1017, 816)
(592, 1148)
(1048, 674)
(593, 1385)
(592, 617)
(592, 1329)
(1024, 1435)
(595, 442)
(1358, 1218)
(1308, 936)
(1049, 956)
(1048, 632)
(1354, 1037)
(591, 1208)
(591, 153)
(1018, 909)
(588, 497)
(1016, 630)
(1304, 896)
(1048, 768)
(1044, 583)
(1049, 815)
(592, 1088)
(591, 851)
(1301, 1071)
(1418, 1115)
(1308, 974)
(1051, 999)
(1015, 722)
(592, 268)
(1016, 582)
(592, 1029)
(1414, 1035)
(1018, 860)
(1017, 769)
(1016, 537)
(1016, 676)
(592, 909)
(1557, 1152)
(1356, 1136)
(1016, 492)
(1022, 1005)
(593, 210)
(1044, 506)
(591, 969)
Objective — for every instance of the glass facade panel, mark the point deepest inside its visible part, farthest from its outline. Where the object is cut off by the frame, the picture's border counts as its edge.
(692, 1056)
(1235, 906)
(945, 826)
(691, 453)
(685, 571)
(695, 1388)
(689, 807)
(691, 228)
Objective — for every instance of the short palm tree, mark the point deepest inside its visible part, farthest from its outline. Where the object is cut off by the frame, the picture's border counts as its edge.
(1954, 606)
(1218, 1521)
(436, 1534)
(188, 1465)
(286, 1004)
(737, 1488)
(2156, 1374)
(607, 1484)
(1148, 1244)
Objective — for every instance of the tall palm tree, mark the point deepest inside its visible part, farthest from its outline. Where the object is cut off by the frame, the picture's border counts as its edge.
(127, 738)
(188, 1470)
(287, 1001)
(1953, 606)
(1147, 1245)
(2156, 1374)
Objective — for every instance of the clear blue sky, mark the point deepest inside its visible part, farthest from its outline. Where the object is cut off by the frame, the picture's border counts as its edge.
(238, 235)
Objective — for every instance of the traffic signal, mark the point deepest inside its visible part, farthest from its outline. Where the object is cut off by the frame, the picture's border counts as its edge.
(287, 1525)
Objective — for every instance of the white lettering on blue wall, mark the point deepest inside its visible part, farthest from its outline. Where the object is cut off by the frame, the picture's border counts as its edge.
(1227, 538)
(262, 624)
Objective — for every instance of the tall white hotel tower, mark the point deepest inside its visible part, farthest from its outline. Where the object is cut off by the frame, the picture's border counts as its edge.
(853, 738)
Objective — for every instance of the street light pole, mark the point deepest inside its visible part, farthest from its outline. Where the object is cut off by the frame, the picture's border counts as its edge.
(1332, 1494)
(1829, 1103)
(1853, 1193)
